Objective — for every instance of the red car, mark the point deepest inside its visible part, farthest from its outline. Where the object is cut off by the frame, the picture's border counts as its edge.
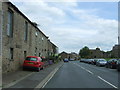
(33, 62)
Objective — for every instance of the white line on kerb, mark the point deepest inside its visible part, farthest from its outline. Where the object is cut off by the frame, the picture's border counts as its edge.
(107, 82)
(49, 78)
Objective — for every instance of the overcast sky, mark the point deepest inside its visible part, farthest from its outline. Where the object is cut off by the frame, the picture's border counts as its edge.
(73, 25)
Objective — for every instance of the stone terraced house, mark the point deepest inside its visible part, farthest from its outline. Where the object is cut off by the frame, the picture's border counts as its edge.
(20, 38)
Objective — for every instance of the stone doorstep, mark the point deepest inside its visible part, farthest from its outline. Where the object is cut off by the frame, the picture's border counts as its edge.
(14, 77)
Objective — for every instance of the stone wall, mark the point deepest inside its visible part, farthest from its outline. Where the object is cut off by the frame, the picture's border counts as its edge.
(35, 45)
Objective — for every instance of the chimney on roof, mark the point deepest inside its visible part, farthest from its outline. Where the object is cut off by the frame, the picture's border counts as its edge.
(35, 24)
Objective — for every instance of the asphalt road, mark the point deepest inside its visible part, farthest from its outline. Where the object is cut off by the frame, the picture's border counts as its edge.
(81, 75)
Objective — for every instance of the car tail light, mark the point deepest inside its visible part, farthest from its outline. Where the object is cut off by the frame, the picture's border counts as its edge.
(24, 61)
(113, 62)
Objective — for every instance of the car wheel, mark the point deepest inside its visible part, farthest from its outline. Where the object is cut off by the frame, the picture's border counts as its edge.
(118, 69)
(106, 66)
(38, 69)
(111, 67)
(42, 68)
(23, 69)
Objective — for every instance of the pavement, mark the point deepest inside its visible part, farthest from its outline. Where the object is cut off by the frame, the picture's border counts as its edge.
(20, 78)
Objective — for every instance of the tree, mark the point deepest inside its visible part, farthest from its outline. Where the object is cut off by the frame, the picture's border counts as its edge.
(84, 52)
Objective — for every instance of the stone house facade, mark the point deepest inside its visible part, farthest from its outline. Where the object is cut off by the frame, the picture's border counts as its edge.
(64, 55)
(96, 53)
(52, 49)
(71, 55)
(20, 38)
(115, 51)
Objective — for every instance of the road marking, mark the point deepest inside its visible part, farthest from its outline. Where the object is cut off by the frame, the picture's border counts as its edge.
(97, 76)
(89, 71)
(50, 77)
(85, 69)
(107, 82)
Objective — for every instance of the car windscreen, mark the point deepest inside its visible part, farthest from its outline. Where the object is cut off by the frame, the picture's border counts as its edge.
(102, 61)
(31, 59)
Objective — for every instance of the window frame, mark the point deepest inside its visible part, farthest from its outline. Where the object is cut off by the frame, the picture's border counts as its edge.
(11, 54)
(10, 22)
(26, 31)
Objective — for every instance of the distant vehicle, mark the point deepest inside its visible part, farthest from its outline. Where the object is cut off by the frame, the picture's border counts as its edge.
(71, 59)
(65, 60)
(33, 62)
(118, 65)
(101, 62)
(112, 63)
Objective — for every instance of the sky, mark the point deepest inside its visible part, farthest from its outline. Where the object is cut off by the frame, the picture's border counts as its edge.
(73, 25)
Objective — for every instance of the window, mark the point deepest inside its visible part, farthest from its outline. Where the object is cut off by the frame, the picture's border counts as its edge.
(26, 31)
(25, 54)
(42, 38)
(10, 23)
(36, 33)
(39, 54)
(31, 59)
(11, 53)
(35, 51)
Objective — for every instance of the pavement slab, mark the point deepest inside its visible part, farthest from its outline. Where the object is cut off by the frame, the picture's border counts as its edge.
(30, 78)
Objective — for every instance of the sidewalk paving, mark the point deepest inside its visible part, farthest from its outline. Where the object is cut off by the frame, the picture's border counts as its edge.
(15, 78)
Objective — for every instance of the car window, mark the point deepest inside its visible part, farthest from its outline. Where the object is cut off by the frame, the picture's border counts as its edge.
(102, 60)
(31, 59)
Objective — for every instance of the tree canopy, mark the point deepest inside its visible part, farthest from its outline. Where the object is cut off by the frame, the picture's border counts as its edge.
(84, 52)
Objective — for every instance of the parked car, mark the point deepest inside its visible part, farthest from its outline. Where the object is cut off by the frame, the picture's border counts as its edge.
(94, 61)
(101, 62)
(65, 60)
(118, 65)
(72, 59)
(82, 60)
(85, 60)
(90, 61)
(33, 62)
(112, 63)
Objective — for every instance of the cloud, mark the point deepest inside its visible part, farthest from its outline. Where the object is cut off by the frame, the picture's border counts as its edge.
(71, 27)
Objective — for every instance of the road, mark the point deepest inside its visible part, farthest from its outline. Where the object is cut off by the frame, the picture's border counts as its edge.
(81, 75)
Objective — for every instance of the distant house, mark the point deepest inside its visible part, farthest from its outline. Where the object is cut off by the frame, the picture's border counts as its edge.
(71, 55)
(115, 51)
(96, 53)
(64, 55)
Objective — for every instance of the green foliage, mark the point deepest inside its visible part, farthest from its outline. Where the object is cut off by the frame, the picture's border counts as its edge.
(84, 52)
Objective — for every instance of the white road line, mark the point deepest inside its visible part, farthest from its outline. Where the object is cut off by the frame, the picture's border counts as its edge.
(97, 76)
(50, 78)
(85, 69)
(107, 82)
(89, 71)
